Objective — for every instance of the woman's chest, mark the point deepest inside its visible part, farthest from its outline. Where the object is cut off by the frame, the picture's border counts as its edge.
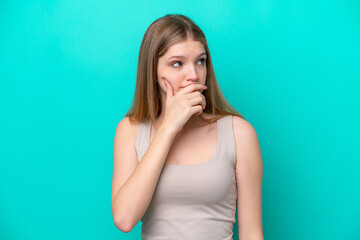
(203, 183)
(193, 147)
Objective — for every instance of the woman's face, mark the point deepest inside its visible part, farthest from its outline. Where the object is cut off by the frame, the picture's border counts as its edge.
(183, 63)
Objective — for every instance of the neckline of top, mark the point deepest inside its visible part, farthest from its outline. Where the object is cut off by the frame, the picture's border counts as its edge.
(194, 164)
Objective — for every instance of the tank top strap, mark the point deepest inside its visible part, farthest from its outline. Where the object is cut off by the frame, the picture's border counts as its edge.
(227, 138)
(142, 138)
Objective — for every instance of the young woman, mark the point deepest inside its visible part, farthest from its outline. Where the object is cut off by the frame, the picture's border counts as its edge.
(184, 159)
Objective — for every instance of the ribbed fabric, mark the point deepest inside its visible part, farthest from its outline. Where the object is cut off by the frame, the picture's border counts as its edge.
(193, 201)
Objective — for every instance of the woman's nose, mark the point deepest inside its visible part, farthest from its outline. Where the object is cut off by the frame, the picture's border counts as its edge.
(192, 73)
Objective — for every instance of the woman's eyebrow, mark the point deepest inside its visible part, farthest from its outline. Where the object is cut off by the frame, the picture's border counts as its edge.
(203, 53)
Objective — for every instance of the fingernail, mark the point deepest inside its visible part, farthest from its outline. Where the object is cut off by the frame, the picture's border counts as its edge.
(205, 87)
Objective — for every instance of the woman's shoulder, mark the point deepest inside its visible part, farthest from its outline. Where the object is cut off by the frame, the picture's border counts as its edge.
(128, 126)
(243, 129)
(128, 122)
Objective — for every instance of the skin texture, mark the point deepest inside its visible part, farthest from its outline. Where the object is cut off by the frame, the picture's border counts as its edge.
(181, 72)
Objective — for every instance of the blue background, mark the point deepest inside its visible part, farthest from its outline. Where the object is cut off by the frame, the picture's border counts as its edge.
(68, 69)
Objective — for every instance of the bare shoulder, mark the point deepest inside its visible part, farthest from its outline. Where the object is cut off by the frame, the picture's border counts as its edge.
(127, 127)
(244, 132)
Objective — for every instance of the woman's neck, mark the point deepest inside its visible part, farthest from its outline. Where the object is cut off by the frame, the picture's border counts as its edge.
(194, 121)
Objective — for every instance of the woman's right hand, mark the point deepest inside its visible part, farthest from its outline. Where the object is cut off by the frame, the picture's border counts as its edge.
(182, 105)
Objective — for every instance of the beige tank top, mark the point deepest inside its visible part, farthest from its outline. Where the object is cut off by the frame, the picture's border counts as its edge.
(193, 201)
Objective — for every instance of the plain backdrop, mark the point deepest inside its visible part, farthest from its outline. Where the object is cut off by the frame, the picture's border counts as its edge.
(67, 77)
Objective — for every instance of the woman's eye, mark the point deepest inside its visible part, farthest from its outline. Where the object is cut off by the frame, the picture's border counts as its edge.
(175, 63)
(203, 60)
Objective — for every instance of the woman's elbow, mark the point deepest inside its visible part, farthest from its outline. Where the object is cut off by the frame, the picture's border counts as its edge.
(123, 224)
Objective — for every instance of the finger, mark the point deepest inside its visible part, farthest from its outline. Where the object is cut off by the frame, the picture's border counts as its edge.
(197, 109)
(193, 87)
(197, 101)
(169, 89)
(195, 94)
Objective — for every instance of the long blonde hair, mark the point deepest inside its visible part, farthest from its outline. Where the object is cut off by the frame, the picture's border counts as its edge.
(160, 35)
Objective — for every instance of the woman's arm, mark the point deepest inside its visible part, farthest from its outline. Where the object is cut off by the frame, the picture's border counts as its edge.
(249, 170)
(134, 182)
